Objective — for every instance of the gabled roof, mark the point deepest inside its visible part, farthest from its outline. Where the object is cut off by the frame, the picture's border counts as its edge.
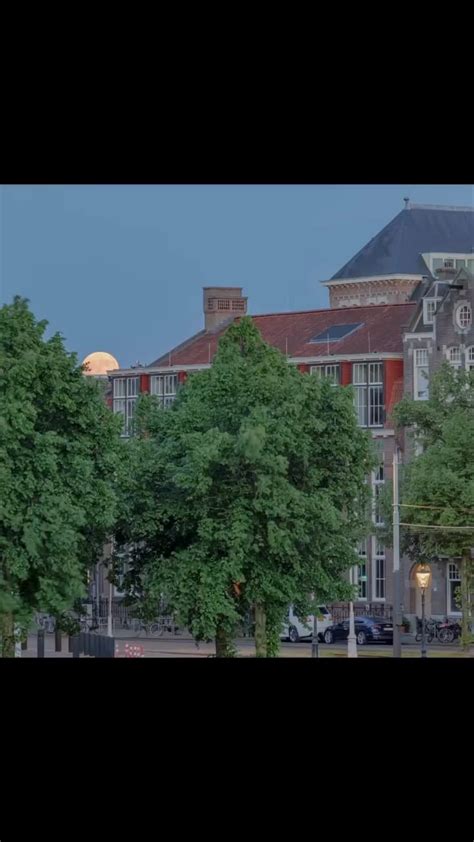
(442, 290)
(380, 332)
(416, 230)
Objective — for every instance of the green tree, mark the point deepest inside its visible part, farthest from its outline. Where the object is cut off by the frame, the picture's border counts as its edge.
(438, 485)
(246, 495)
(59, 447)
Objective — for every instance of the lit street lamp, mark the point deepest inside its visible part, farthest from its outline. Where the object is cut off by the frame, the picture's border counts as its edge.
(423, 578)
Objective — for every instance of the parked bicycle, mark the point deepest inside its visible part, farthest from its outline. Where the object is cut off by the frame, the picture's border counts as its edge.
(449, 631)
(431, 630)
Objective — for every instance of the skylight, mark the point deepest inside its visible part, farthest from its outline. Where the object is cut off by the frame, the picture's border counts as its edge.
(335, 333)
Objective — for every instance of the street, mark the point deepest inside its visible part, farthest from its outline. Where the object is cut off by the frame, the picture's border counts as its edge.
(185, 647)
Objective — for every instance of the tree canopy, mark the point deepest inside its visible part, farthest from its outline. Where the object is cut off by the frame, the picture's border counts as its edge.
(248, 494)
(438, 485)
(59, 446)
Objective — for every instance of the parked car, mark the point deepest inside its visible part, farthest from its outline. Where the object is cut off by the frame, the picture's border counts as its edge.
(297, 628)
(367, 630)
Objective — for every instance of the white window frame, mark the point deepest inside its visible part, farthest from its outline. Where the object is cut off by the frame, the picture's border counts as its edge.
(378, 482)
(125, 394)
(429, 307)
(368, 380)
(453, 355)
(331, 371)
(453, 575)
(164, 387)
(378, 555)
(470, 358)
(360, 572)
(454, 259)
(420, 368)
(465, 322)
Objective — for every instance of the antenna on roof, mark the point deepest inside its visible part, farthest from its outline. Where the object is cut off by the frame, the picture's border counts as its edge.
(407, 201)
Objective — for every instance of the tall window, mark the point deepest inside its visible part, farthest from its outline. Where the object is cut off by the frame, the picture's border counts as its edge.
(464, 316)
(421, 374)
(429, 307)
(125, 398)
(454, 585)
(367, 379)
(361, 570)
(470, 358)
(454, 356)
(378, 482)
(379, 569)
(164, 386)
(331, 372)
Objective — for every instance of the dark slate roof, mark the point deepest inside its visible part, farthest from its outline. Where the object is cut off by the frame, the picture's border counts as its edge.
(416, 230)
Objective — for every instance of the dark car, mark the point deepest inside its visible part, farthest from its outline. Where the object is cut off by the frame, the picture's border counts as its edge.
(367, 630)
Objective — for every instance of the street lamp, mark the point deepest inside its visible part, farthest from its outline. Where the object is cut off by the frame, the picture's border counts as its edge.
(423, 578)
(351, 640)
(315, 637)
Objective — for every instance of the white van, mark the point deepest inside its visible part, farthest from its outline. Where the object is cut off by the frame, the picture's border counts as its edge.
(296, 628)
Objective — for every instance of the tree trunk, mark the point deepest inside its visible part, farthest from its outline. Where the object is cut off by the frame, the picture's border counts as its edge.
(7, 635)
(224, 643)
(260, 632)
(466, 603)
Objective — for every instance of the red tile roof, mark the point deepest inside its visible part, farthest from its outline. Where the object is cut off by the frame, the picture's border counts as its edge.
(381, 332)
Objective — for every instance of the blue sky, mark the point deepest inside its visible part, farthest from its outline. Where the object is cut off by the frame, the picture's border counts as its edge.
(121, 268)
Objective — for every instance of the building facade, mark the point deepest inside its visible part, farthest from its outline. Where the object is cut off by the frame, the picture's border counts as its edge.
(398, 308)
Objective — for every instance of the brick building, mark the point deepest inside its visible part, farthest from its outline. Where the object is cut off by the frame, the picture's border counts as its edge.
(398, 308)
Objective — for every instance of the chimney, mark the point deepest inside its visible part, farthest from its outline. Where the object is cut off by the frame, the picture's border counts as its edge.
(222, 304)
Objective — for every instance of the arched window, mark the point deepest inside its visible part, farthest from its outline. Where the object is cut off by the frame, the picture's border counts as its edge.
(464, 316)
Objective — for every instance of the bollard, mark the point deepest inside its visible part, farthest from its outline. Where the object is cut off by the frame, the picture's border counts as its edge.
(40, 646)
(76, 646)
(58, 640)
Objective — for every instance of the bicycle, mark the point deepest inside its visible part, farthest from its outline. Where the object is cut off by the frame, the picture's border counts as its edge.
(431, 630)
(449, 631)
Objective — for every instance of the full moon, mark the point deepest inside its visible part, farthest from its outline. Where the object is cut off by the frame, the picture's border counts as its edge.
(99, 363)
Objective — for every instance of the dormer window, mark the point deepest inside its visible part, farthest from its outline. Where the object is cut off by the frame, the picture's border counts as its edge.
(464, 316)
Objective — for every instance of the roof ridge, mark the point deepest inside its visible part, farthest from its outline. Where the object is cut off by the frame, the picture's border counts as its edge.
(329, 310)
(441, 207)
(182, 345)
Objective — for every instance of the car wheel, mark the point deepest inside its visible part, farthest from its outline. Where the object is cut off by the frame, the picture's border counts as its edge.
(293, 635)
(361, 638)
(328, 636)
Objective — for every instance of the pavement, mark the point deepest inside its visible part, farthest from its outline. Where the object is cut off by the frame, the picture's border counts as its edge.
(184, 646)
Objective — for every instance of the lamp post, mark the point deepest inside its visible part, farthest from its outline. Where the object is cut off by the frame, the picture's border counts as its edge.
(423, 578)
(315, 641)
(351, 640)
